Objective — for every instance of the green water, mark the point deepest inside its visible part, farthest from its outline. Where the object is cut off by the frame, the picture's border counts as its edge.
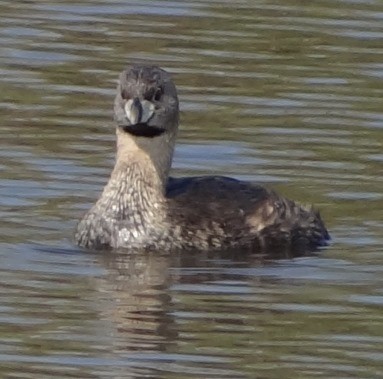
(285, 93)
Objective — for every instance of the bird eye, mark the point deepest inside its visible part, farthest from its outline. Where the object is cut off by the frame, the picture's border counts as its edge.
(125, 95)
(157, 94)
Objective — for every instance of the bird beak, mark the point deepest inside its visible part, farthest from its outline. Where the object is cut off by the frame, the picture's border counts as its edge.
(138, 112)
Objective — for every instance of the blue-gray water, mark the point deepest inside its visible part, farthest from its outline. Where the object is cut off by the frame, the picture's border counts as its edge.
(286, 93)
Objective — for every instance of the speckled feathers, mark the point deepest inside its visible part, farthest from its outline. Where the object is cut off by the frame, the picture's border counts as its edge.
(142, 208)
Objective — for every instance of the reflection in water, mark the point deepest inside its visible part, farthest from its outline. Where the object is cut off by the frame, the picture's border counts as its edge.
(284, 93)
(138, 285)
(142, 314)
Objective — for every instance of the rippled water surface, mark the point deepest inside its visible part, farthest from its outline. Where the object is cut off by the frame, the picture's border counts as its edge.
(287, 93)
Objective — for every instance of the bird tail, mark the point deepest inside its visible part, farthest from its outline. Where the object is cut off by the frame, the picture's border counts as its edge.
(297, 229)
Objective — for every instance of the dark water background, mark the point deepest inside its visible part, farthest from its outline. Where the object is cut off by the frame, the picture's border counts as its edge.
(288, 93)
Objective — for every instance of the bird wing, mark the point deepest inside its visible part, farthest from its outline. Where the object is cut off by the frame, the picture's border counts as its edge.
(242, 212)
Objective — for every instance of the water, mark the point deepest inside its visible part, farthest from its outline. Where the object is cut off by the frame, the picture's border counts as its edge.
(286, 93)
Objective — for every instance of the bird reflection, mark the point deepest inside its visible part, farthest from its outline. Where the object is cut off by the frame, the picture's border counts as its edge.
(144, 304)
(138, 286)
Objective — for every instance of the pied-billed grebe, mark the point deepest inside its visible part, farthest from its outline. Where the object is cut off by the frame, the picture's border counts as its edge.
(142, 208)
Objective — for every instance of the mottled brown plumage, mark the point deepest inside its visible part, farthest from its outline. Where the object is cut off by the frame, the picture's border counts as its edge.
(142, 208)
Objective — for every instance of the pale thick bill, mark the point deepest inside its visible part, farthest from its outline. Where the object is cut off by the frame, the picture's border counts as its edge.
(138, 111)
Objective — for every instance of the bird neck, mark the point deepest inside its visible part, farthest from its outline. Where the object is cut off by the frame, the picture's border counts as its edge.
(134, 192)
(146, 158)
(136, 188)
